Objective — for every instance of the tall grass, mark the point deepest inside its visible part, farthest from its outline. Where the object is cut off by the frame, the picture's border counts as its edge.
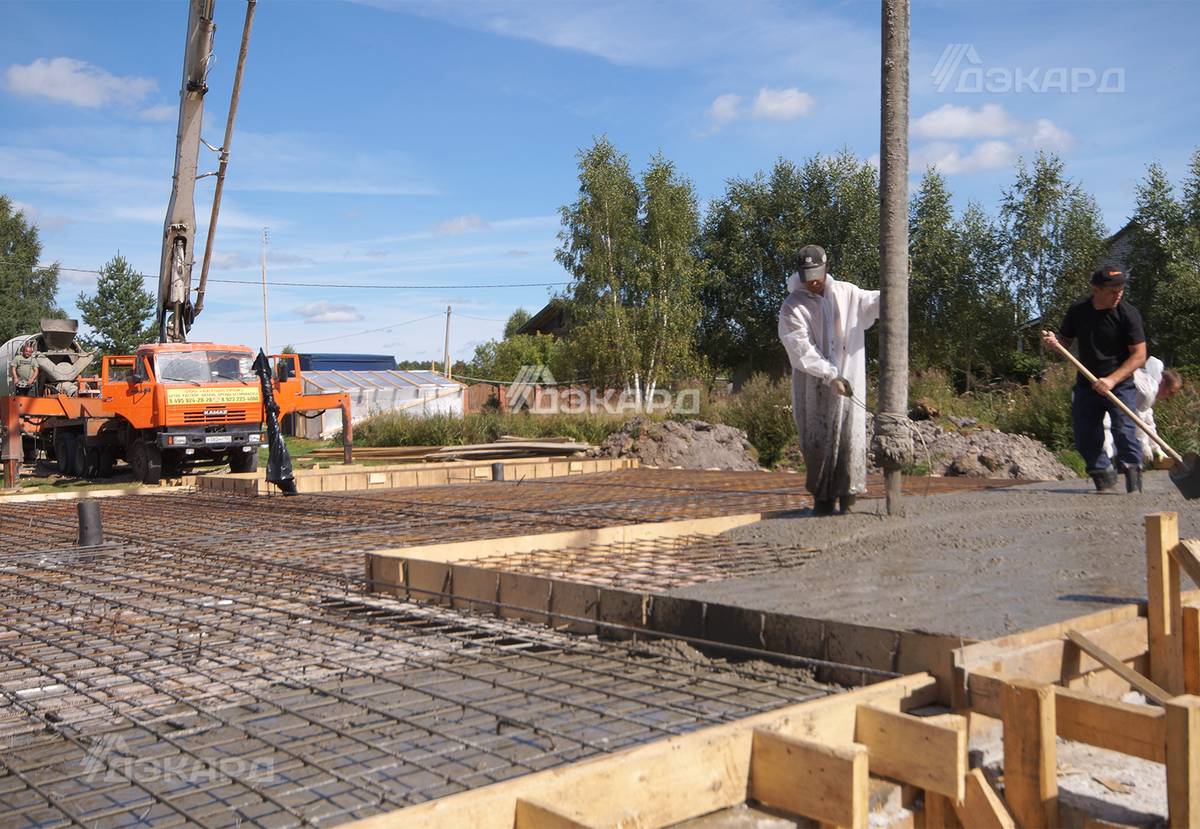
(487, 426)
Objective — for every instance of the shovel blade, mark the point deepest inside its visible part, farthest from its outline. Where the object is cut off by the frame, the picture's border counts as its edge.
(1186, 476)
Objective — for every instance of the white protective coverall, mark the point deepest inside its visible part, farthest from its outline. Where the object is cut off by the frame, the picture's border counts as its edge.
(824, 339)
(1146, 379)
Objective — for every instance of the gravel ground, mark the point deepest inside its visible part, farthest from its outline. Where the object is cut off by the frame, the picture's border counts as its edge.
(974, 564)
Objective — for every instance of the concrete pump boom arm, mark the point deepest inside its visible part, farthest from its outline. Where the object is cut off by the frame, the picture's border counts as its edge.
(175, 310)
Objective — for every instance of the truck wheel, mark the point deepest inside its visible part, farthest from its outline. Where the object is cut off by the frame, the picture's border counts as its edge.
(29, 450)
(107, 460)
(79, 450)
(243, 461)
(146, 461)
(64, 446)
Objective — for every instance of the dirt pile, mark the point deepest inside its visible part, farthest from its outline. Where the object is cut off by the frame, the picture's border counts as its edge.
(971, 450)
(692, 444)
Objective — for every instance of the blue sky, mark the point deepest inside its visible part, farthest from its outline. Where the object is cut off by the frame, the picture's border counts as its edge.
(404, 154)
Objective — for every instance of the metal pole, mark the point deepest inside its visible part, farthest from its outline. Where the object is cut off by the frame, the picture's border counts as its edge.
(893, 441)
(447, 363)
(266, 338)
(91, 534)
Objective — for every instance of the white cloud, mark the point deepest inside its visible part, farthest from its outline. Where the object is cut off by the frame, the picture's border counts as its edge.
(234, 261)
(31, 212)
(724, 109)
(769, 105)
(459, 224)
(163, 112)
(516, 252)
(948, 157)
(76, 82)
(950, 121)
(326, 311)
(782, 104)
(376, 253)
(287, 259)
(1007, 136)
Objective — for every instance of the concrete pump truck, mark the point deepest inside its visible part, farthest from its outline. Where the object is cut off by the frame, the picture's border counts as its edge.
(171, 406)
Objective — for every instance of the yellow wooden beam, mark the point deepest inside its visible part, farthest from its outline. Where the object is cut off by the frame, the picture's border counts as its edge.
(1136, 730)
(1164, 613)
(983, 808)
(1183, 760)
(818, 781)
(1141, 683)
(1030, 753)
(916, 750)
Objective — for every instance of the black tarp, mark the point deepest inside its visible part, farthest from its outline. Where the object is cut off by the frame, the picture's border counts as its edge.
(279, 462)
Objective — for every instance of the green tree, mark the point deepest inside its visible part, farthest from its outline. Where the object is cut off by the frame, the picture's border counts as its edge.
(750, 241)
(630, 249)
(1164, 263)
(960, 314)
(515, 320)
(119, 313)
(26, 291)
(1055, 236)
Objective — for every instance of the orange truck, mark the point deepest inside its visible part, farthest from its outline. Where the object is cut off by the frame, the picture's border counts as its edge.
(167, 410)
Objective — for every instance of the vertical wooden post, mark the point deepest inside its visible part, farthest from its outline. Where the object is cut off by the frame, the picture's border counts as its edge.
(1191, 650)
(1030, 753)
(1183, 760)
(1165, 615)
(939, 812)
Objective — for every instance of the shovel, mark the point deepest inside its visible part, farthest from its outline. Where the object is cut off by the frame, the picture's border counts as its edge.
(1185, 474)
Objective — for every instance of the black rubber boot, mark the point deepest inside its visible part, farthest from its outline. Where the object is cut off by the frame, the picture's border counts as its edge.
(1133, 479)
(846, 503)
(823, 507)
(1105, 479)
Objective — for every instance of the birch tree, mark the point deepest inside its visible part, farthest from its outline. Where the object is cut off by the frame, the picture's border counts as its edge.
(630, 249)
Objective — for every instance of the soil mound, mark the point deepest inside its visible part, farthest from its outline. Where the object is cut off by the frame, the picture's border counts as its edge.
(692, 444)
(975, 451)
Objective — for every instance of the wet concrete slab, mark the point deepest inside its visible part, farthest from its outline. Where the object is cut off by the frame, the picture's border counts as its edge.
(977, 564)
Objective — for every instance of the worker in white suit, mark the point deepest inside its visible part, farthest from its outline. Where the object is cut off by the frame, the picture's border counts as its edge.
(822, 325)
(1153, 384)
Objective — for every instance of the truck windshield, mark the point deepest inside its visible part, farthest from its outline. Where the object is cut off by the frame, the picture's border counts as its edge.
(205, 367)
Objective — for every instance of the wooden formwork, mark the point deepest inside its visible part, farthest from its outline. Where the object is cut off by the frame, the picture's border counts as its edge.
(1064, 681)
(814, 759)
(356, 477)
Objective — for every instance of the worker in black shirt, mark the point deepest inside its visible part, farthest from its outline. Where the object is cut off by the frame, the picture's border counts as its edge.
(1112, 346)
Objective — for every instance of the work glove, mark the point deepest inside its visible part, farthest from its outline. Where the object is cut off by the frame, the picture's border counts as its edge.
(842, 386)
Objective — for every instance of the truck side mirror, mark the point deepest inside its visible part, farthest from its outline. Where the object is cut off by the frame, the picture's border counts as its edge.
(140, 374)
(285, 369)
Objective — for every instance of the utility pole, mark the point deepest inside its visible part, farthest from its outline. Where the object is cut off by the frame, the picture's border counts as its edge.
(447, 363)
(266, 339)
(893, 440)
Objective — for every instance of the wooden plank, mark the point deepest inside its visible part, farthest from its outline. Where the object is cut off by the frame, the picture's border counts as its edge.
(1030, 753)
(1191, 649)
(1164, 612)
(1187, 554)
(1141, 683)
(982, 808)
(464, 551)
(939, 812)
(832, 722)
(522, 596)
(1183, 760)
(915, 750)
(530, 814)
(823, 782)
(1052, 661)
(1137, 730)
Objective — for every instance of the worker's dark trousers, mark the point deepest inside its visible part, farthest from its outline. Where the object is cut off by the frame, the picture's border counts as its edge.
(1087, 411)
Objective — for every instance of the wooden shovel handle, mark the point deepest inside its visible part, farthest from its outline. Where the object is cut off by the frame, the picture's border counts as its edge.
(1174, 455)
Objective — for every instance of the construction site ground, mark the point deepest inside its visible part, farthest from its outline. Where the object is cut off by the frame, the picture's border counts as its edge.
(221, 662)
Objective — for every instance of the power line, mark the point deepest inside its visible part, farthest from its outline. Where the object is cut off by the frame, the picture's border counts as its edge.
(329, 284)
(372, 331)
